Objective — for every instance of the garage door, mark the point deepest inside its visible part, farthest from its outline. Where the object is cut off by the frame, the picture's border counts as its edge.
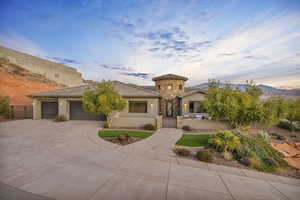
(49, 110)
(77, 112)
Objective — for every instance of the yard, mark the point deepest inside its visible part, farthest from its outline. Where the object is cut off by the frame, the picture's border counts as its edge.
(251, 152)
(124, 137)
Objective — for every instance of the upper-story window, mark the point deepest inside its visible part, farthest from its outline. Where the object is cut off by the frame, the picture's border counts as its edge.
(170, 87)
(158, 87)
(180, 87)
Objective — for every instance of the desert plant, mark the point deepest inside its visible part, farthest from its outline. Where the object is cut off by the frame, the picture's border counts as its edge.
(182, 151)
(60, 118)
(186, 128)
(258, 153)
(264, 136)
(105, 124)
(149, 127)
(224, 141)
(287, 126)
(4, 105)
(293, 115)
(204, 156)
(103, 99)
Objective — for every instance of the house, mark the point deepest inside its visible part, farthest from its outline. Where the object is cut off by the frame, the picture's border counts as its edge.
(168, 99)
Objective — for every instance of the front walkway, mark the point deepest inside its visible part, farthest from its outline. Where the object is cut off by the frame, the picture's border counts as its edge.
(68, 161)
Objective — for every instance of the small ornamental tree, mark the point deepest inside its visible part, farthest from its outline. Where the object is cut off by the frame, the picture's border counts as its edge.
(225, 141)
(103, 99)
(293, 113)
(4, 105)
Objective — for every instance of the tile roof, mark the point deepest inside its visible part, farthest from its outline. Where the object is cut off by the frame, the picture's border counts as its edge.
(170, 77)
(125, 90)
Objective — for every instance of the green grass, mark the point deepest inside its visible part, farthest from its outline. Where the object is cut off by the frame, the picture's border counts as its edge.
(192, 140)
(131, 133)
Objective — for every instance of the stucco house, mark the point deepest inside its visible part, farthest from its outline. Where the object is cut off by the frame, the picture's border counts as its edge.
(169, 99)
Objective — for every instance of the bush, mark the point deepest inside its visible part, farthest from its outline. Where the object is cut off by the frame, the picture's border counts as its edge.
(263, 136)
(105, 124)
(204, 156)
(258, 154)
(287, 126)
(186, 128)
(149, 127)
(60, 118)
(182, 152)
(251, 162)
(4, 105)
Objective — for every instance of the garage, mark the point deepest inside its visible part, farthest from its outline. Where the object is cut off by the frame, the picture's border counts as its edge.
(49, 109)
(77, 112)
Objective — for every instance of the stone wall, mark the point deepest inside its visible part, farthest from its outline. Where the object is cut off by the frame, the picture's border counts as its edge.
(59, 73)
(169, 94)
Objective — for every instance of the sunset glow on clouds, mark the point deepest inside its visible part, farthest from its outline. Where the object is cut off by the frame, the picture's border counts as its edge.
(132, 41)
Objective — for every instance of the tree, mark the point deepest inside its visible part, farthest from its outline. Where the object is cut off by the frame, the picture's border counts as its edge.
(234, 106)
(103, 99)
(274, 110)
(4, 105)
(293, 113)
(253, 90)
(225, 141)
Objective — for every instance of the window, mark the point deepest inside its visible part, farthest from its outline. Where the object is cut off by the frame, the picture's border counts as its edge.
(180, 87)
(158, 87)
(170, 87)
(196, 107)
(138, 106)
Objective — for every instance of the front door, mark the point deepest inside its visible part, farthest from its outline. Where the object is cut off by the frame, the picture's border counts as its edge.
(169, 109)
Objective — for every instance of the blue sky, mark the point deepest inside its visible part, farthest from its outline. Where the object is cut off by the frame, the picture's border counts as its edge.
(134, 40)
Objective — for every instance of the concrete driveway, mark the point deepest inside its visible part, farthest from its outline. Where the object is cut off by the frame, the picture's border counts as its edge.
(46, 160)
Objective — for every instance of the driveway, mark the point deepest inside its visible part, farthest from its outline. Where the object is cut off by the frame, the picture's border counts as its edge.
(46, 160)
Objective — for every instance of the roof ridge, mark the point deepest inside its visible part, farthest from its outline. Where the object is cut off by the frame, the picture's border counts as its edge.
(138, 87)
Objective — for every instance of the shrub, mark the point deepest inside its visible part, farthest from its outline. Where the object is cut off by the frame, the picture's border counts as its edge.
(204, 156)
(258, 154)
(287, 126)
(263, 136)
(149, 127)
(186, 128)
(4, 105)
(182, 151)
(60, 118)
(105, 124)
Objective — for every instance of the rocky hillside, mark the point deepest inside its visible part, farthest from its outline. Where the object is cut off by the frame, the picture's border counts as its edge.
(17, 82)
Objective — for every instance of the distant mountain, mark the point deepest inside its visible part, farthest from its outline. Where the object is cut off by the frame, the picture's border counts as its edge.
(267, 90)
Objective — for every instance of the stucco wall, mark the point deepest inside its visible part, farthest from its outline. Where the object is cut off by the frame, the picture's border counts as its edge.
(36, 109)
(57, 72)
(132, 122)
(152, 108)
(205, 124)
(187, 99)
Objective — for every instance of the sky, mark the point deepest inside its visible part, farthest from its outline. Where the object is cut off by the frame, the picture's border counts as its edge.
(136, 40)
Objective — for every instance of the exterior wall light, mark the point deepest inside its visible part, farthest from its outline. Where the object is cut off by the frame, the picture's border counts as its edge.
(33, 103)
(60, 104)
(151, 105)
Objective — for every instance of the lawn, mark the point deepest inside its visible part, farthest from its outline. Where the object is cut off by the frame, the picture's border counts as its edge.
(131, 133)
(192, 140)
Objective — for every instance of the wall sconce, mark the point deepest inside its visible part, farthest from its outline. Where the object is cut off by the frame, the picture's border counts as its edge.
(185, 106)
(60, 104)
(33, 103)
(151, 105)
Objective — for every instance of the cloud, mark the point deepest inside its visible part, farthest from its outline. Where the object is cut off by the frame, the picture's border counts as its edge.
(116, 67)
(137, 75)
(63, 60)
